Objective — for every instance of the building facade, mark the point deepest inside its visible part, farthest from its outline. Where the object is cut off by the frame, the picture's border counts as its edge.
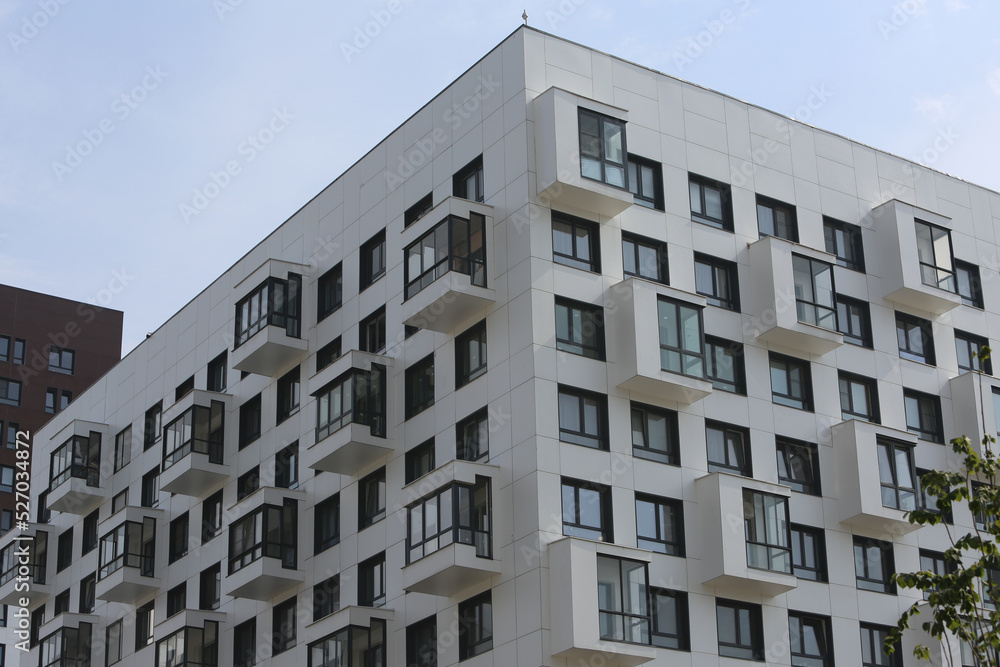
(582, 365)
(51, 350)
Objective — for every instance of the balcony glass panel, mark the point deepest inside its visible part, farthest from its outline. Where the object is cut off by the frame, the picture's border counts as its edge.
(132, 544)
(199, 429)
(269, 531)
(459, 513)
(66, 647)
(190, 647)
(274, 302)
(353, 646)
(355, 397)
(456, 245)
(78, 457)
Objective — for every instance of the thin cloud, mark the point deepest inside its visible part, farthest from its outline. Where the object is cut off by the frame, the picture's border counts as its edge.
(935, 108)
(994, 81)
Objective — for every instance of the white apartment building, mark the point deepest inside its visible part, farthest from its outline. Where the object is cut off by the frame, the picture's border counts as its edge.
(581, 365)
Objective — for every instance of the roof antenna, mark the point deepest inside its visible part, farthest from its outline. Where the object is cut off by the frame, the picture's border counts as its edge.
(525, 17)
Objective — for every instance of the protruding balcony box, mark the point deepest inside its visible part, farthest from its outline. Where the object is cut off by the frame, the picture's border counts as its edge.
(187, 618)
(899, 263)
(574, 598)
(127, 567)
(23, 567)
(725, 551)
(75, 468)
(778, 317)
(263, 545)
(634, 336)
(268, 336)
(557, 155)
(969, 391)
(360, 617)
(66, 620)
(448, 266)
(453, 550)
(859, 487)
(194, 443)
(67, 646)
(350, 645)
(351, 400)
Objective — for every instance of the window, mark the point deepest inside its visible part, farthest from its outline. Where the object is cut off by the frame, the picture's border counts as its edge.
(473, 437)
(645, 258)
(151, 488)
(327, 524)
(327, 354)
(808, 552)
(245, 644)
(51, 400)
(586, 510)
(19, 346)
(467, 182)
(421, 643)
(371, 584)
(622, 600)
(288, 395)
(61, 604)
(330, 292)
(119, 501)
(7, 478)
(873, 565)
(371, 498)
(64, 550)
(12, 429)
(858, 397)
(923, 415)
(217, 371)
(283, 626)
(456, 514)
(815, 296)
(740, 629)
(710, 202)
(123, 448)
(211, 517)
(724, 365)
(580, 328)
(970, 286)
(90, 532)
(645, 182)
(67, 398)
(935, 563)
(270, 531)
(247, 483)
(6, 520)
(144, 620)
(418, 210)
(791, 382)
(768, 533)
(43, 513)
(681, 341)
(844, 241)
(602, 148)
(176, 599)
(583, 418)
(113, 642)
(454, 244)
(372, 332)
(728, 449)
(61, 360)
(798, 465)
(873, 647)
(967, 346)
(151, 431)
(475, 626)
(576, 242)
(88, 592)
(654, 434)
(937, 268)
(420, 386)
(355, 397)
(326, 597)
(419, 461)
(372, 260)
(210, 588)
(4, 348)
(659, 524)
(915, 339)
(183, 388)
(250, 417)
(929, 503)
(178, 537)
(810, 639)
(897, 475)
(717, 280)
(470, 354)
(37, 619)
(854, 321)
(286, 467)
(775, 218)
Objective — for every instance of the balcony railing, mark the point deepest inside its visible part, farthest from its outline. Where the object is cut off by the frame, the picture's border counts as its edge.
(190, 647)
(270, 531)
(22, 558)
(354, 646)
(200, 429)
(78, 457)
(132, 544)
(66, 647)
(459, 514)
(275, 302)
(456, 244)
(358, 397)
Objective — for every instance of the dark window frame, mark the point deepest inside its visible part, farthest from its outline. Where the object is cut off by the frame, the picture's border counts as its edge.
(465, 372)
(477, 423)
(288, 391)
(574, 512)
(419, 461)
(850, 411)
(874, 637)
(592, 261)
(326, 524)
(866, 578)
(283, 622)
(591, 319)
(894, 491)
(419, 395)
(799, 459)
(250, 421)
(723, 273)
(600, 157)
(330, 292)
(744, 449)
(661, 542)
(844, 241)
(631, 244)
(906, 326)
(812, 310)
(475, 625)
(702, 183)
(787, 365)
(373, 260)
(846, 321)
(746, 648)
(472, 172)
(926, 431)
(584, 438)
(970, 288)
(801, 554)
(678, 358)
(639, 417)
(418, 210)
(933, 270)
(371, 498)
(636, 167)
(821, 631)
(972, 344)
(372, 332)
(775, 206)
(716, 351)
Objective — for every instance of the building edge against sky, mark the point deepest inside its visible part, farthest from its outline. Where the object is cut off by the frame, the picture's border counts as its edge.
(691, 350)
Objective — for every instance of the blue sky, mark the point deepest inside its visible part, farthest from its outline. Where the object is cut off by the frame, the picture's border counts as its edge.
(114, 114)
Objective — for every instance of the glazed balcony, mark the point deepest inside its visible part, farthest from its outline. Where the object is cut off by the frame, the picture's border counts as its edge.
(75, 471)
(194, 443)
(360, 617)
(263, 545)
(23, 569)
(189, 638)
(68, 646)
(968, 392)
(351, 646)
(268, 330)
(126, 571)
